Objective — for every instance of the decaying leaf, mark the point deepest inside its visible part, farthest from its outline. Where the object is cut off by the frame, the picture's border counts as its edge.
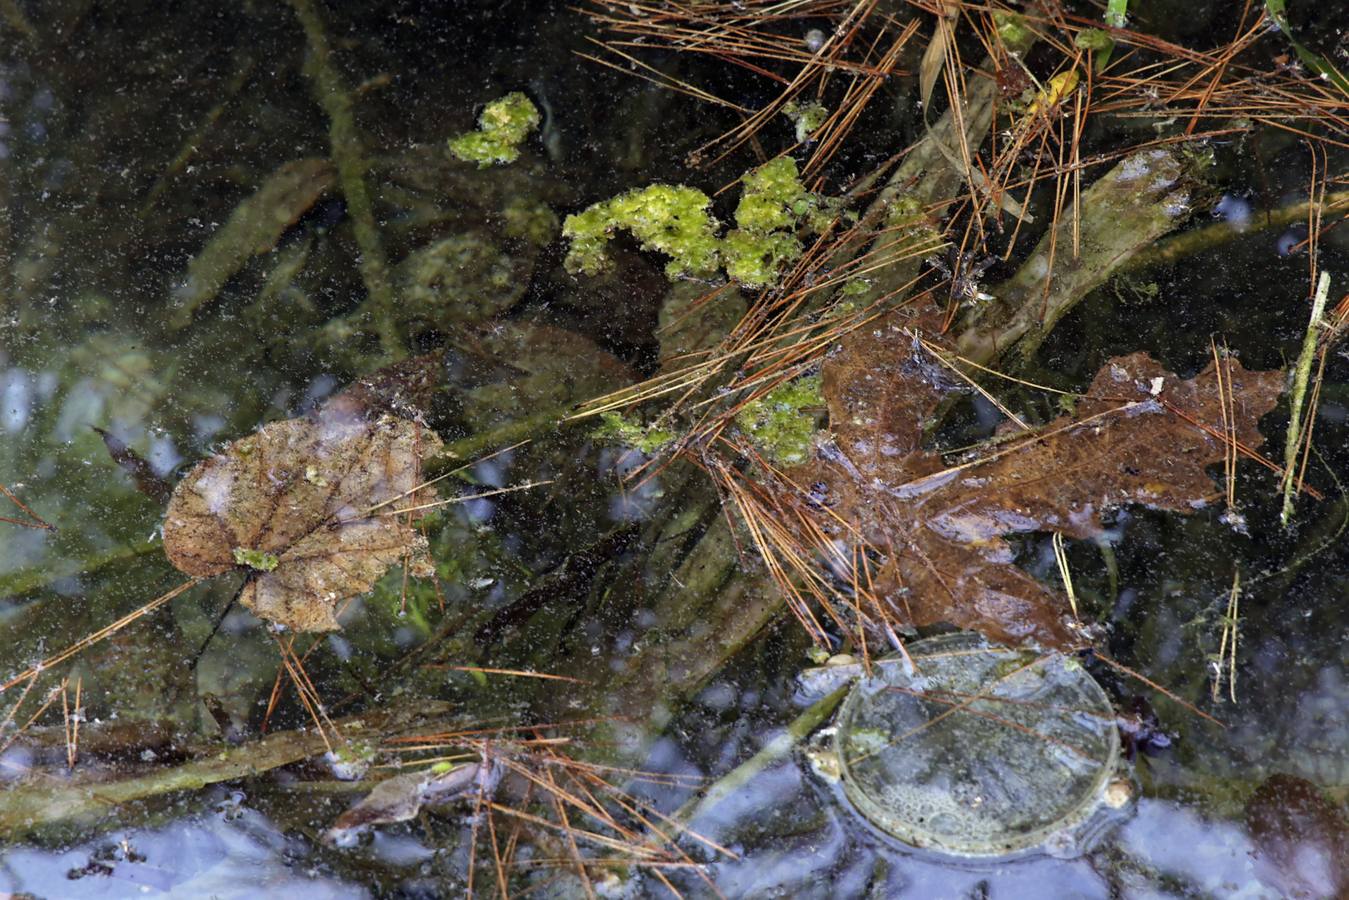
(402, 796)
(1140, 435)
(316, 510)
(254, 228)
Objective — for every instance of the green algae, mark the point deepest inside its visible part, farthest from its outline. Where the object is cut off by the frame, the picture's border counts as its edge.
(502, 128)
(782, 422)
(773, 198)
(260, 560)
(649, 440)
(755, 259)
(672, 219)
(807, 117)
(676, 220)
(1014, 31)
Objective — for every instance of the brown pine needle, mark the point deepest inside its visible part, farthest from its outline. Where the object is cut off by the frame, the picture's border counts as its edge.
(1138, 676)
(33, 520)
(106, 631)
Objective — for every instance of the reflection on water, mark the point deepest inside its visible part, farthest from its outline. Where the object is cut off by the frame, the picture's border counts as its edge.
(229, 852)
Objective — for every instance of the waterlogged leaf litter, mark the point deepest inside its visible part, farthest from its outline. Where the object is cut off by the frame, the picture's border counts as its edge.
(316, 510)
(1138, 435)
(401, 797)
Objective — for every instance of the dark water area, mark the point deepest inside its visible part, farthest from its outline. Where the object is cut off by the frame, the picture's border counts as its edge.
(136, 341)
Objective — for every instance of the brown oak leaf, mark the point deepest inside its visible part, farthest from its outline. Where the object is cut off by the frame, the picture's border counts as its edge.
(1140, 435)
(316, 510)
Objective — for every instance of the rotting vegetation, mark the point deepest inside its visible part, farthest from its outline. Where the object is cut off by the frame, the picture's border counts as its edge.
(868, 317)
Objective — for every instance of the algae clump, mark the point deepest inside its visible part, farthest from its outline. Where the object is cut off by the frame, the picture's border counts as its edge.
(613, 426)
(773, 202)
(676, 220)
(673, 219)
(782, 422)
(807, 117)
(502, 127)
(258, 560)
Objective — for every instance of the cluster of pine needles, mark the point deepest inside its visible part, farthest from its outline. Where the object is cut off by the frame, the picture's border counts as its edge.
(840, 54)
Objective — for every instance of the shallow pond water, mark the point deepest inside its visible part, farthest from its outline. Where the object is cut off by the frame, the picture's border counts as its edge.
(185, 257)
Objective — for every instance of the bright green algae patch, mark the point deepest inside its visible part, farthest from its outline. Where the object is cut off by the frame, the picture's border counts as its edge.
(782, 422)
(259, 560)
(774, 197)
(677, 221)
(502, 127)
(670, 218)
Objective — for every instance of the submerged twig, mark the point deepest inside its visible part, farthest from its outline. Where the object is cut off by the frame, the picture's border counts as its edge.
(26, 808)
(345, 141)
(775, 750)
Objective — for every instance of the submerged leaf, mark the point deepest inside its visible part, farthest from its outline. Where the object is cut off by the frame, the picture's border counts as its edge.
(400, 797)
(1138, 435)
(311, 508)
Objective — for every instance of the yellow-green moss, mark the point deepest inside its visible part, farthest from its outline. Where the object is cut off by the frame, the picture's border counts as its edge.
(774, 197)
(754, 258)
(672, 219)
(530, 220)
(1015, 33)
(782, 422)
(502, 127)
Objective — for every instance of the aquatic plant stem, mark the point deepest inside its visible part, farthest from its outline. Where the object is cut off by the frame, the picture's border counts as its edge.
(774, 750)
(42, 803)
(1301, 376)
(1188, 243)
(344, 138)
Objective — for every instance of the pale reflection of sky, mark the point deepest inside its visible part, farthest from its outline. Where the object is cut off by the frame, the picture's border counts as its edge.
(1215, 857)
(16, 399)
(231, 852)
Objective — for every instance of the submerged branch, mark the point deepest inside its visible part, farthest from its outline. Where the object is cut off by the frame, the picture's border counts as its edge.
(1126, 210)
(1301, 377)
(345, 141)
(42, 802)
(775, 750)
(1189, 243)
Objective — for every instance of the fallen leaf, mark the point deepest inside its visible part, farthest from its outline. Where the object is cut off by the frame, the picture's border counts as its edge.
(311, 508)
(138, 467)
(512, 370)
(400, 797)
(406, 388)
(939, 530)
